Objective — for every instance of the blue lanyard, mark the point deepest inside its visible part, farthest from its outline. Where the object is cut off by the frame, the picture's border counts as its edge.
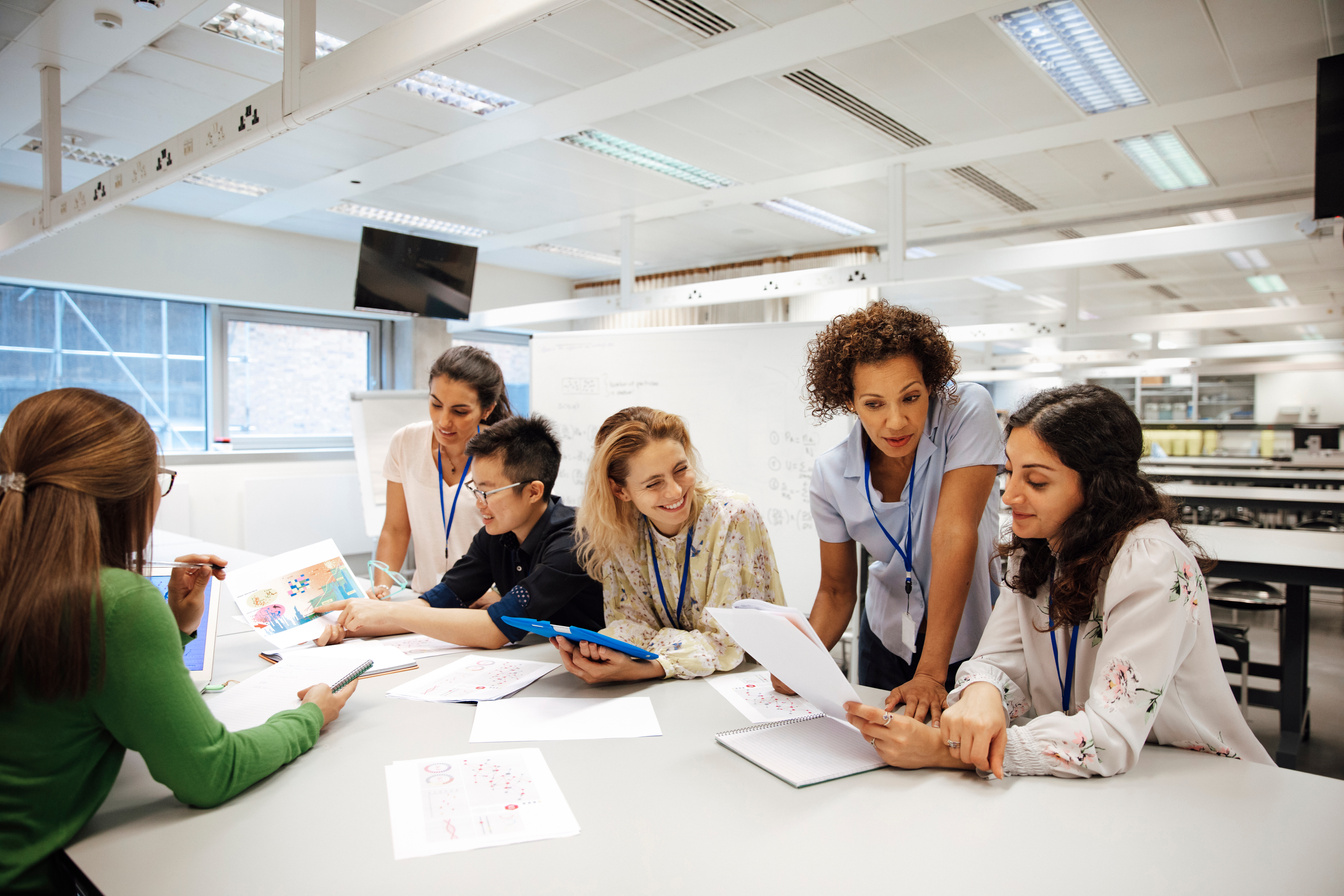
(685, 569)
(447, 517)
(909, 522)
(1065, 682)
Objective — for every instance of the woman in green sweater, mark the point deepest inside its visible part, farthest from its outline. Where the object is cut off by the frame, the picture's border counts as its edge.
(90, 654)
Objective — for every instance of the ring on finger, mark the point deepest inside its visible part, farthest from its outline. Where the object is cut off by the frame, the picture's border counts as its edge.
(873, 741)
(886, 720)
(953, 743)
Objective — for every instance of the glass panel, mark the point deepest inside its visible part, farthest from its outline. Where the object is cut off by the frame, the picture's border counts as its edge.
(287, 380)
(139, 350)
(515, 359)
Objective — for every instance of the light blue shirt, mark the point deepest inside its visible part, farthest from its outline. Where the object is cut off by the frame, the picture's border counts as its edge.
(964, 434)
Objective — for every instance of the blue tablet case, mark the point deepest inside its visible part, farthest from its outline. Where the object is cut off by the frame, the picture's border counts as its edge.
(574, 633)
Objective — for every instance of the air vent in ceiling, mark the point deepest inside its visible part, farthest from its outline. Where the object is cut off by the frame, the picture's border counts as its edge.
(702, 21)
(978, 180)
(838, 96)
(1130, 271)
(1164, 292)
(1069, 233)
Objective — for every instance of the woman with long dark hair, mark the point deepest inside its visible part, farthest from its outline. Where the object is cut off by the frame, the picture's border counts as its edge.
(90, 654)
(1106, 641)
(427, 465)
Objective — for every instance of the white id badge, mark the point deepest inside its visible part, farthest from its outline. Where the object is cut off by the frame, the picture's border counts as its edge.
(908, 631)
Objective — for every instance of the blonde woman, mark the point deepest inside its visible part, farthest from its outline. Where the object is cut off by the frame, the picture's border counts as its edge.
(666, 547)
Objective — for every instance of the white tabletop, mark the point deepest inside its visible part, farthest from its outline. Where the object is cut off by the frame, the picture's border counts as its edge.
(1283, 547)
(679, 813)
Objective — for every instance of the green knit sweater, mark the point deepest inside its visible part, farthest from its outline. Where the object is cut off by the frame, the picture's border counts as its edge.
(58, 759)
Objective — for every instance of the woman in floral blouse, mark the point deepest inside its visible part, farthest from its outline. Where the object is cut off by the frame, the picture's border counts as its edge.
(1106, 641)
(666, 547)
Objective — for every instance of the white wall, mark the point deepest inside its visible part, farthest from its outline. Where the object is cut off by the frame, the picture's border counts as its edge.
(1323, 389)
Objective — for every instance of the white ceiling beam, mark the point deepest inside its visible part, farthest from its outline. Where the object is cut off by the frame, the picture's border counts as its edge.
(1111, 126)
(416, 41)
(795, 42)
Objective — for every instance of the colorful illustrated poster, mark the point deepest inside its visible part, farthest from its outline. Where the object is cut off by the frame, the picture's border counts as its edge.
(755, 696)
(278, 596)
(472, 679)
(455, 803)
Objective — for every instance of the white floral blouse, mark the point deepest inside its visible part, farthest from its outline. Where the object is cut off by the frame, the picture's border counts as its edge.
(731, 559)
(1147, 669)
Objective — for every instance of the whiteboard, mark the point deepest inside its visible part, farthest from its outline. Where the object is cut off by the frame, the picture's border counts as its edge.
(374, 418)
(740, 390)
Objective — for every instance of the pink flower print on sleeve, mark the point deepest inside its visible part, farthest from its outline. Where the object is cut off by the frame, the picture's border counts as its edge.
(1078, 750)
(1120, 680)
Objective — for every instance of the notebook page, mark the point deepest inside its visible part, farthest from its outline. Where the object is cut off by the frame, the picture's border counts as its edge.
(253, 701)
(805, 752)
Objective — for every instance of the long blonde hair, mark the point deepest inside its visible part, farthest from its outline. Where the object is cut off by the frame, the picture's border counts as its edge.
(82, 470)
(605, 522)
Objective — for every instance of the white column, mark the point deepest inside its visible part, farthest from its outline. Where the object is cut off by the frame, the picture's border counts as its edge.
(627, 260)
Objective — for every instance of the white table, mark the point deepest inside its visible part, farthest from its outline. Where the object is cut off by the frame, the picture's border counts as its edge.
(679, 814)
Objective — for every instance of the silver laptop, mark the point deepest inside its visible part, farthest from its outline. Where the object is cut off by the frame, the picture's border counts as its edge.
(199, 655)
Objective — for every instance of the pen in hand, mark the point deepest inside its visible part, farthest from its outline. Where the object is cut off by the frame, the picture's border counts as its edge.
(180, 564)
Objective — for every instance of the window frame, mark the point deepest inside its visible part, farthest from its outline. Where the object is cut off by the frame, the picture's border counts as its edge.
(217, 330)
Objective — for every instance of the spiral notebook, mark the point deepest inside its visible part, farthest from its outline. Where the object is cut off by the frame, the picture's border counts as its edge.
(806, 750)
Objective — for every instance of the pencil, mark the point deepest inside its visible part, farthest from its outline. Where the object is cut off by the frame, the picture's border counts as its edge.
(181, 564)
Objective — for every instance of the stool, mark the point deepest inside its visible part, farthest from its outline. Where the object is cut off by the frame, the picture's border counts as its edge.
(1234, 636)
(1240, 595)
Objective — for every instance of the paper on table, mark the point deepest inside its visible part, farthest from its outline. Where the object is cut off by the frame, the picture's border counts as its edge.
(278, 595)
(564, 718)
(755, 696)
(779, 645)
(455, 803)
(386, 657)
(254, 700)
(421, 645)
(473, 678)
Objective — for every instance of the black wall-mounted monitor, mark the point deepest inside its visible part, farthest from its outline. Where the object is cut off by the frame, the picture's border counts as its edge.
(414, 275)
(1317, 437)
(1329, 137)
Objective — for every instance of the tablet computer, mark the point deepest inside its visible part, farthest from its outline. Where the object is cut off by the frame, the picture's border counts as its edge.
(574, 633)
(199, 655)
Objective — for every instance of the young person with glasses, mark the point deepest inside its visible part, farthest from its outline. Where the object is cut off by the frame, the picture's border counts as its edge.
(90, 653)
(525, 549)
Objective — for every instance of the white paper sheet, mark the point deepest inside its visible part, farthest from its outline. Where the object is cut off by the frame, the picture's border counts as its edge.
(386, 657)
(564, 718)
(776, 642)
(421, 645)
(455, 803)
(473, 678)
(278, 595)
(256, 699)
(753, 694)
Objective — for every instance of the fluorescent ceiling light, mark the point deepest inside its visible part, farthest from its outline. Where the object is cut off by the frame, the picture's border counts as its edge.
(1212, 215)
(1283, 301)
(1267, 283)
(402, 219)
(616, 148)
(997, 283)
(1239, 260)
(259, 29)
(1046, 301)
(919, 252)
(1309, 331)
(1165, 161)
(1064, 43)
(815, 216)
(1084, 314)
(584, 254)
(107, 160)
(1167, 363)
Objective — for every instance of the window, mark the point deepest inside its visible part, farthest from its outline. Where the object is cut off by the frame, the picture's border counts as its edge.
(148, 352)
(513, 353)
(287, 378)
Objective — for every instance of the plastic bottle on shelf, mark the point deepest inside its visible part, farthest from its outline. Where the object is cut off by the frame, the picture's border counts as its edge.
(1266, 443)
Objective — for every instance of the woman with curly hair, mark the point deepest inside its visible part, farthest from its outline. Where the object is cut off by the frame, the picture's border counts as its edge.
(913, 485)
(666, 546)
(1106, 641)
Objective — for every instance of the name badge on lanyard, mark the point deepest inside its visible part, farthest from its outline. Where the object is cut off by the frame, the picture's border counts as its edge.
(447, 517)
(908, 628)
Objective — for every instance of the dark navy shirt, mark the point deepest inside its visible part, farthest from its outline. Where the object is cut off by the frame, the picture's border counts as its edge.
(539, 579)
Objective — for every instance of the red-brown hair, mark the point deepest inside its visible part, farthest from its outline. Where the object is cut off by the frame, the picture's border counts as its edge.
(89, 464)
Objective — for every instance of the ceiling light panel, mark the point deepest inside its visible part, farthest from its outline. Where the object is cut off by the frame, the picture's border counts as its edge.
(997, 283)
(402, 219)
(107, 160)
(1165, 161)
(259, 29)
(1066, 45)
(801, 211)
(584, 254)
(1267, 283)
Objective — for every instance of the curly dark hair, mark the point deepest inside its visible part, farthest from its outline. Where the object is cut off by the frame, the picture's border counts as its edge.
(871, 335)
(1094, 433)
